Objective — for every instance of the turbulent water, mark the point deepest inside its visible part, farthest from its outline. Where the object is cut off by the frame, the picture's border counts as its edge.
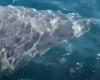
(49, 40)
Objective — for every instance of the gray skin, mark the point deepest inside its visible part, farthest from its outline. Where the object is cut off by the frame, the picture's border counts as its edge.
(26, 32)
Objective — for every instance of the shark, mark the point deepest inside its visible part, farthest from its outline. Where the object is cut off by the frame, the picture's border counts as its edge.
(27, 32)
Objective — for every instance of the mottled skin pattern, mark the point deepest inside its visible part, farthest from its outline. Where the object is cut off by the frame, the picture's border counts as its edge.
(26, 32)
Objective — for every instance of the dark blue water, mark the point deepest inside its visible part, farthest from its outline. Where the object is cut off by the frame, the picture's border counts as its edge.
(83, 61)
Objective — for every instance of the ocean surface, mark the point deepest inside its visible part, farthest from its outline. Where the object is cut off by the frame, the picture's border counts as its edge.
(71, 52)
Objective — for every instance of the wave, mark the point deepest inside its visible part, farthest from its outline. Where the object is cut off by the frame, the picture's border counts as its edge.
(25, 32)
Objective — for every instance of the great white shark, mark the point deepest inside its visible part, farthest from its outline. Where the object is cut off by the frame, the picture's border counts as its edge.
(26, 32)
